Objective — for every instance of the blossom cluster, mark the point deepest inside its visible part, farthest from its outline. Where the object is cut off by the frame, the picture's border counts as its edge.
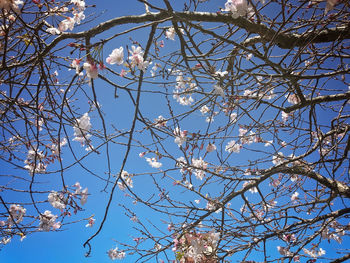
(127, 178)
(196, 247)
(183, 90)
(115, 253)
(239, 8)
(69, 22)
(81, 130)
(48, 221)
(35, 161)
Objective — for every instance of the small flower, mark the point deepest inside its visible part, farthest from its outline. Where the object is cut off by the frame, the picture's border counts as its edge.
(284, 251)
(153, 162)
(134, 219)
(91, 222)
(295, 196)
(219, 91)
(76, 65)
(84, 196)
(116, 57)
(91, 70)
(170, 33)
(238, 8)
(180, 136)
(114, 254)
(66, 24)
(211, 147)
(82, 128)
(160, 122)
(204, 109)
(233, 147)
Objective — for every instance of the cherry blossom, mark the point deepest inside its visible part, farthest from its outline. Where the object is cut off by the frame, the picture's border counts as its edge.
(82, 128)
(204, 109)
(284, 251)
(294, 196)
(91, 70)
(115, 253)
(10, 4)
(57, 200)
(80, 4)
(136, 58)
(34, 161)
(66, 24)
(278, 158)
(314, 253)
(153, 162)
(84, 196)
(180, 136)
(48, 221)
(170, 33)
(233, 147)
(17, 213)
(91, 222)
(127, 179)
(233, 117)
(211, 147)
(218, 90)
(200, 164)
(116, 57)
(292, 98)
(160, 122)
(238, 8)
(78, 17)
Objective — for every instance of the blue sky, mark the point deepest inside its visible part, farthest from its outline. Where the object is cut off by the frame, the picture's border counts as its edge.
(66, 245)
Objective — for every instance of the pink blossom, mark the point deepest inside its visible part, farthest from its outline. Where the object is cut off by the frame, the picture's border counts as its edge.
(211, 147)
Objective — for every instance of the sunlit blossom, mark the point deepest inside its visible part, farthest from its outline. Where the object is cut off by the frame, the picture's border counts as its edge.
(116, 57)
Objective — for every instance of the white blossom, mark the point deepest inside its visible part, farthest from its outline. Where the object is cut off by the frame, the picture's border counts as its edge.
(200, 164)
(233, 117)
(238, 8)
(66, 24)
(180, 136)
(57, 200)
(153, 162)
(91, 70)
(219, 91)
(48, 221)
(82, 128)
(170, 33)
(83, 196)
(114, 254)
(116, 57)
(127, 178)
(294, 196)
(233, 147)
(136, 58)
(204, 109)
(17, 213)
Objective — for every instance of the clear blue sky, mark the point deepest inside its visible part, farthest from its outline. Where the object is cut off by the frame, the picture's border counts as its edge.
(66, 246)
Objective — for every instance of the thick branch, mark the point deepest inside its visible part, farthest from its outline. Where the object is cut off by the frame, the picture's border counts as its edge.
(286, 41)
(313, 101)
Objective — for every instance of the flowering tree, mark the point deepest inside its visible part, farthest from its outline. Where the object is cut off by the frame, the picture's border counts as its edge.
(237, 118)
